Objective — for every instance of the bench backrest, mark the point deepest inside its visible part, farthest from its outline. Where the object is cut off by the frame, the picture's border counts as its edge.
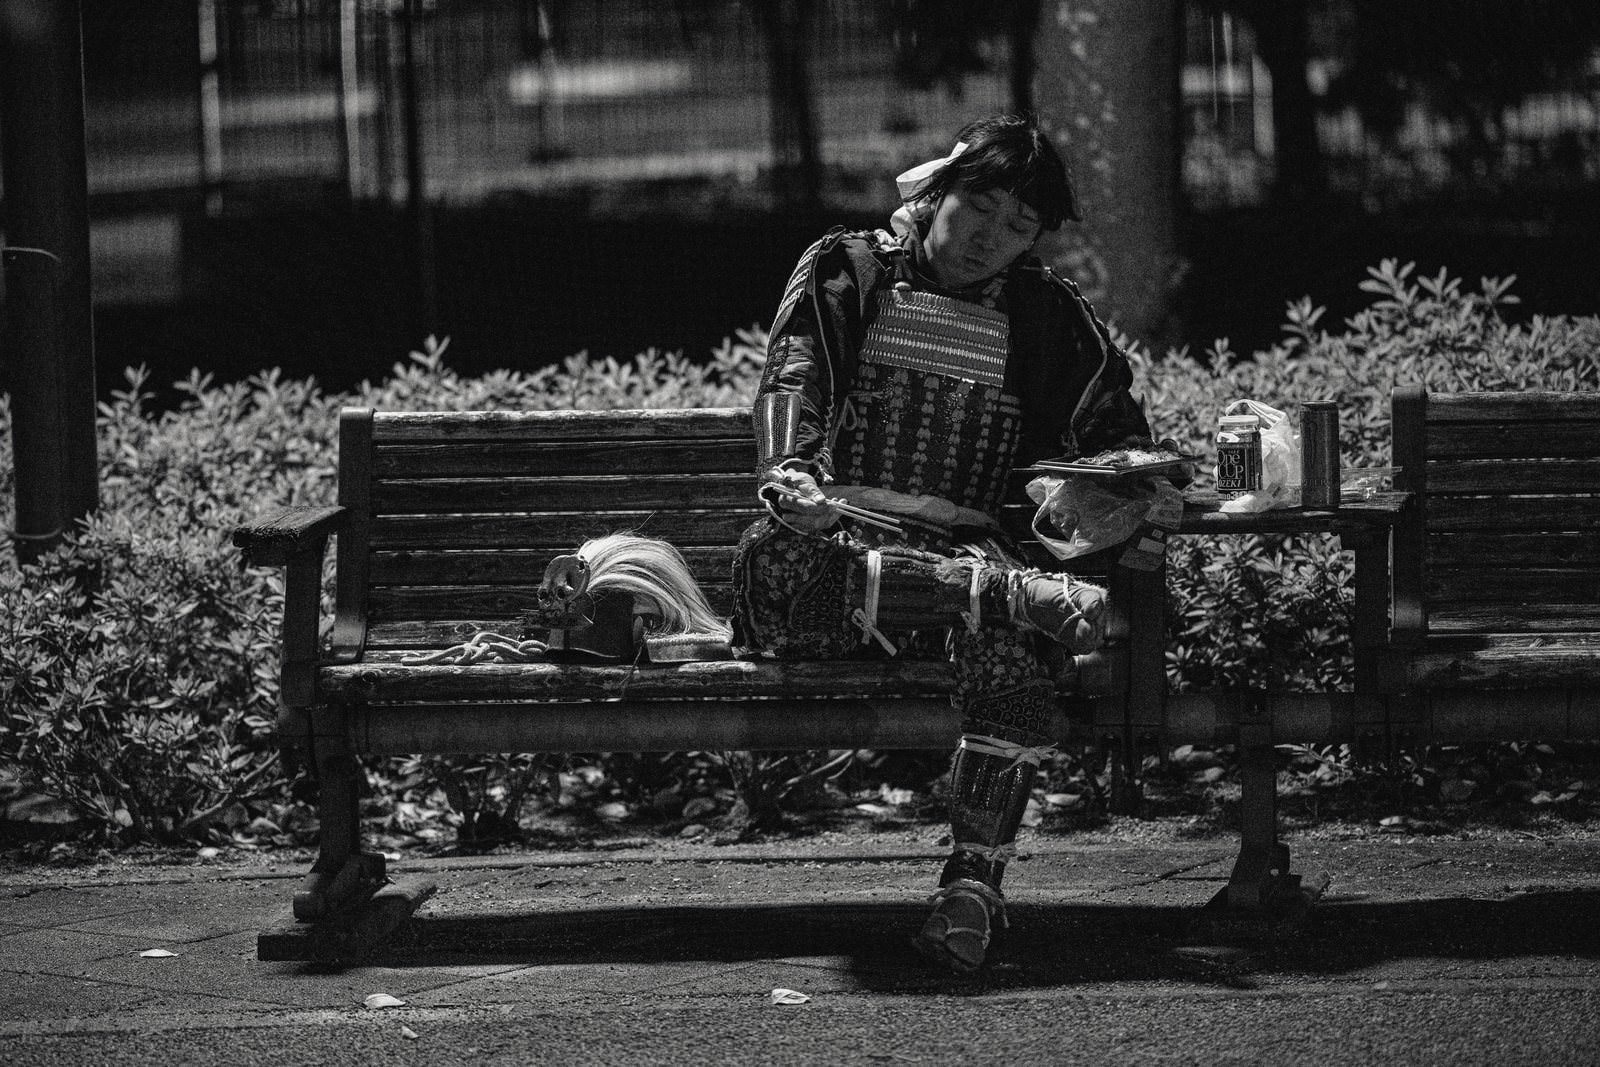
(456, 514)
(1506, 538)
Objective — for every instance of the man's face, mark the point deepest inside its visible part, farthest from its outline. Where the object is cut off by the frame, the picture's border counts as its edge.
(974, 236)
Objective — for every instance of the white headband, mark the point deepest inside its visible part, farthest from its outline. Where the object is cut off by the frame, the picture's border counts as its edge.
(912, 182)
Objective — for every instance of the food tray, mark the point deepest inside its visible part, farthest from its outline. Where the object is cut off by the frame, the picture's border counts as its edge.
(1106, 470)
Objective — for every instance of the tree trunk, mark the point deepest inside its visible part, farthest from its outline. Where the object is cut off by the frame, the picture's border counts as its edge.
(1022, 28)
(1280, 27)
(796, 165)
(1107, 82)
(49, 316)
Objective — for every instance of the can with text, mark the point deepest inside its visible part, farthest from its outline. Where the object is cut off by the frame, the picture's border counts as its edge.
(1239, 454)
(1319, 454)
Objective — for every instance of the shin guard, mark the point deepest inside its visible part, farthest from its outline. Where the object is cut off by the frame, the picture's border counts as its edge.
(992, 779)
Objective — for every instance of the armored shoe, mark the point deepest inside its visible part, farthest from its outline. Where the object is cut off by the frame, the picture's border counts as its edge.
(958, 931)
(1069, 611)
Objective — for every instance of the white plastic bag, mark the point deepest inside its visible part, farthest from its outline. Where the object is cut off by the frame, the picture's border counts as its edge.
(1280, 460)
(1090, 513)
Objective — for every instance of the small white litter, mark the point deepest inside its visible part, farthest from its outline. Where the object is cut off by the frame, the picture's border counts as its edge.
(789, 996)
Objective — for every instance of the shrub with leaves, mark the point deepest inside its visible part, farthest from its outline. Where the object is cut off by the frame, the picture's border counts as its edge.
(137, 678)
(1275, 611)
(138, 662)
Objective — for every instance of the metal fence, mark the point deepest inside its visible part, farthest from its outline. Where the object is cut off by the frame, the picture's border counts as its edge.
(1550, 136)
(509, 94)
(224, 95)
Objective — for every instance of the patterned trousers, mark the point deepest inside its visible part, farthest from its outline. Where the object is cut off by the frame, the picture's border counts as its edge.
(803, 596)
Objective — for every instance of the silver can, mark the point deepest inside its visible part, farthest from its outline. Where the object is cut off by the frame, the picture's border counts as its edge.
(1319, 454)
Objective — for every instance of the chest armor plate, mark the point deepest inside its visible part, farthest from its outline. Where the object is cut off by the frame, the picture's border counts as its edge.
(926, 411)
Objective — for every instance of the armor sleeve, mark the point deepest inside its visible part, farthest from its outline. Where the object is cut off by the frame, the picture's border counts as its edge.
(793, 404)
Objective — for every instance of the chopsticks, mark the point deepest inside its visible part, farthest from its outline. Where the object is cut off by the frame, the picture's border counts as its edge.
(871, 518)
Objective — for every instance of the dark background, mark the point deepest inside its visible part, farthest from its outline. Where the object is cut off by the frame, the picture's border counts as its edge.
(600, 176)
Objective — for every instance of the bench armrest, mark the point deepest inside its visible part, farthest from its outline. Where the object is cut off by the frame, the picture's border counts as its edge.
(1408, 617)
(296, 539)
(273, 539)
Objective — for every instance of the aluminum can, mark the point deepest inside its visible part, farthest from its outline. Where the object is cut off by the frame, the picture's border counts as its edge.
(1239, 455)
(1319, 454)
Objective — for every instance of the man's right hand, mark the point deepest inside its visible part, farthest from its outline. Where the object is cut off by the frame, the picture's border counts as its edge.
(800, 502)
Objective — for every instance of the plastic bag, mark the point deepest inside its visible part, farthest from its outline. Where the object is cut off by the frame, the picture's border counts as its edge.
(1280, 460)
(1090, 514)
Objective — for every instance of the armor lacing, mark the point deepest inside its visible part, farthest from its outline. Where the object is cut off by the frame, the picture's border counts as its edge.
(1019, 754)
(867, 618)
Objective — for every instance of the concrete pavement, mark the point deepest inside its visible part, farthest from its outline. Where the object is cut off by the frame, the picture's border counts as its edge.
(1426, 951)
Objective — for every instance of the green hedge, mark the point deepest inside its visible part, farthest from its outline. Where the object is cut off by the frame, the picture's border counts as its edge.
(137, 663)
(1261, 611)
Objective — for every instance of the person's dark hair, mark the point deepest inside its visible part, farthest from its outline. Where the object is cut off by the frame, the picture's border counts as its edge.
(1010, 152)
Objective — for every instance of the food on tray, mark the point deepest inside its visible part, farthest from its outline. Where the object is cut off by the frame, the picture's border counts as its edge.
(1130, 457)
(1115, 462)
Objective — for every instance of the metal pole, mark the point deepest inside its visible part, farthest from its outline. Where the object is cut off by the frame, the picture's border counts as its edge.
(417, 215)
(210, 98)
(350, 100)
(49, 320)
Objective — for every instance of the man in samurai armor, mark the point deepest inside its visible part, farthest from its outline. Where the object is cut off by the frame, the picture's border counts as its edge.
(908, 373)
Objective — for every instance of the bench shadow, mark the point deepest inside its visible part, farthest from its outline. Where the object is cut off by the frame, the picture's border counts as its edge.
(1047, 946)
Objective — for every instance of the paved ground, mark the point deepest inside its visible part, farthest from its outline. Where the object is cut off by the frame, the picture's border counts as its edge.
(1423, 951)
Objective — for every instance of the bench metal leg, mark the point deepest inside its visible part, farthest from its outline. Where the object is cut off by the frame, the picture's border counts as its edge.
(1261, 873)
(1262, 897)
(343, 876)
(1127, 792)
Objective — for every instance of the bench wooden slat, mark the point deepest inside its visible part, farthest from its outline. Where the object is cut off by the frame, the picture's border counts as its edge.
(1509, 514)
(1534, 406)
(597, 493)
(1569, 548)
(1475, 617)
(557, 425)
(489, 602)
(1464, 440)
(1512, 477)
(512, 566)
(563, 531)
(1555, 586)
(1507, 661)
(423, 635)
(394, 683)
(670, 725)
(611, 456)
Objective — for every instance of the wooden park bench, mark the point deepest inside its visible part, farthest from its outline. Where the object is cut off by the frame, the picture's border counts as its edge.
(1496, 630)
(445, 521)
(1476, 614)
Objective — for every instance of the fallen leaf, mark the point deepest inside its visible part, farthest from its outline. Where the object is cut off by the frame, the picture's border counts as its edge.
(789, 996)
(699, 806)
(156, 953)
(383, 1000)
(408, 1033)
